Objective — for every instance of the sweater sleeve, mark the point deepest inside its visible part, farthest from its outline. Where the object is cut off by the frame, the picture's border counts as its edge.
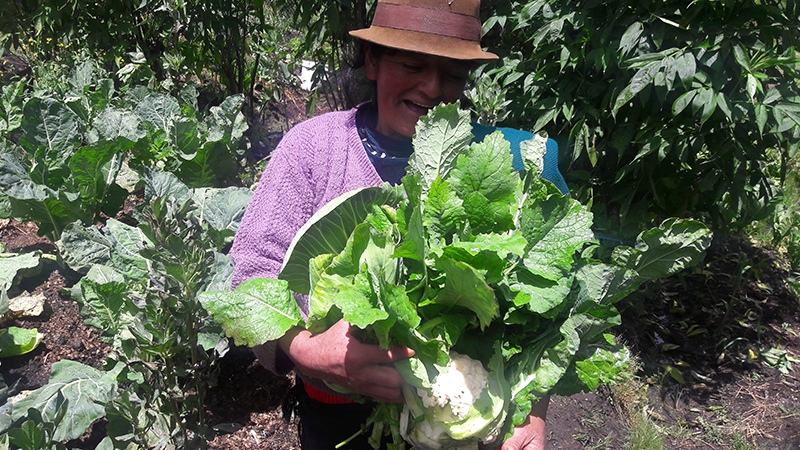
(314, 163)
(281, 204)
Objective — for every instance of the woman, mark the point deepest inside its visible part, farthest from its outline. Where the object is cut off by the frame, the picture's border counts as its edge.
(419, 54)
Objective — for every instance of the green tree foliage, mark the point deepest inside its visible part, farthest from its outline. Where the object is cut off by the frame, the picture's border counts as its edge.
(172, 37)
(325, 25)
(663, 108)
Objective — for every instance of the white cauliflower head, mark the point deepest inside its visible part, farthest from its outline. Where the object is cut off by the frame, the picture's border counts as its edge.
(460, 385)
(463, 405)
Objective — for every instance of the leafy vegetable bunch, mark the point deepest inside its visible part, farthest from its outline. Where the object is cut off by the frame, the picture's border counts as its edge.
(466, 257)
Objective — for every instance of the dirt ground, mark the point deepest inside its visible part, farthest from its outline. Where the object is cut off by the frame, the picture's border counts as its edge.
(703, 325)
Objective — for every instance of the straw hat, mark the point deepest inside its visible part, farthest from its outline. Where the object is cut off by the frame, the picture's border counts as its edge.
(449, 28)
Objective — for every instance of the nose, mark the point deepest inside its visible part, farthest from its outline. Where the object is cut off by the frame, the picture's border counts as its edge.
(431, 84)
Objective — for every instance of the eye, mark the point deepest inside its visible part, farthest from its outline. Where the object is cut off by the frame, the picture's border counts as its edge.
(410, 67)
(456, 77)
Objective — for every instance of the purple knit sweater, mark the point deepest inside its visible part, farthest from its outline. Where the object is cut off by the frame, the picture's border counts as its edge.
(315, 162)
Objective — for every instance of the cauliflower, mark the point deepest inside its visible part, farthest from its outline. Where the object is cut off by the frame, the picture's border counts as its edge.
(463, 405)
(460, 385)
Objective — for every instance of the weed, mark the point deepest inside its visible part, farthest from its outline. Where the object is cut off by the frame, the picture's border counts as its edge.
(739, 442)
(602, 444)
(789, 413)
(643, 433)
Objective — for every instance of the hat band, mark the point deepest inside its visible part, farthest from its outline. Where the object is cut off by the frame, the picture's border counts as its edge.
(427, 20)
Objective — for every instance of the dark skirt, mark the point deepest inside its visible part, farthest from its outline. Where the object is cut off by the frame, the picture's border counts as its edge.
(324, 426)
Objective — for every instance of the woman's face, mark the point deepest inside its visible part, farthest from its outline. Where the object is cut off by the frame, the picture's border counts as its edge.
(409, 84)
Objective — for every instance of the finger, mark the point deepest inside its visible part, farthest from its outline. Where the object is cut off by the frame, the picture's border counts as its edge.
(385, 394)
(400, 352)
(374, 354)
(379, 375)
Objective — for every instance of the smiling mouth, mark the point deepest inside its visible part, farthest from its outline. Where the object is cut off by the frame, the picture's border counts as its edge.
(418, 108)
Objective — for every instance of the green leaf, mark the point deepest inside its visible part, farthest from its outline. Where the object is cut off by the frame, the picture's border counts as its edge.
(675, 245)
(355, 300)
(630, 39)
(328, 230)
(722, 104)
(113, 123)
(705, 102)
(16, 341)
(540, 295)
(554, 228)
(465, 288)
(683, 101)
(160, 184)
(159, 109)
(50, 124)
(104, 301)
(606, 284)
(443, 211)
(259, 310)
(94, 171)
(640, 80)
(226, 121)
(752, 86)
(441, 136)
(761, 116)
(117, 246)
(223, 208)
(11, 106)
(86, 391)
(51, 210)
(13, 267)
(686, 66)
(487, 184)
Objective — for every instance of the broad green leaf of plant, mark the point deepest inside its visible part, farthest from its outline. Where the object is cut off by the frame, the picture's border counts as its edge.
(16, 341)
(209, 166)
(606, 284)
(465, 288)
(11, 107)
(441, 136)
(94, 172)
(104, 301)
(114, 123)
(165, 185)
(86, 390)
(600, 363)
(52, 210)
(14, 266)
(443, 210)
(554, 228)
(49, 124)
(158, 109)
(356, 301)
(541, 295)
(226, 121)
(222, 209)
(546, 372)
(221, 273)
(259, 310)
(82, 247)
(486, 168)
(328, 230)
(665, 250)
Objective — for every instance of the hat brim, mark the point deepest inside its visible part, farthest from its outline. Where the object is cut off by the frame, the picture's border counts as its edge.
(431, 44)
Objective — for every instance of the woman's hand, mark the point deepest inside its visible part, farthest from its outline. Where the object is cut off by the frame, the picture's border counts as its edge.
(530, 435)
(336, 356)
